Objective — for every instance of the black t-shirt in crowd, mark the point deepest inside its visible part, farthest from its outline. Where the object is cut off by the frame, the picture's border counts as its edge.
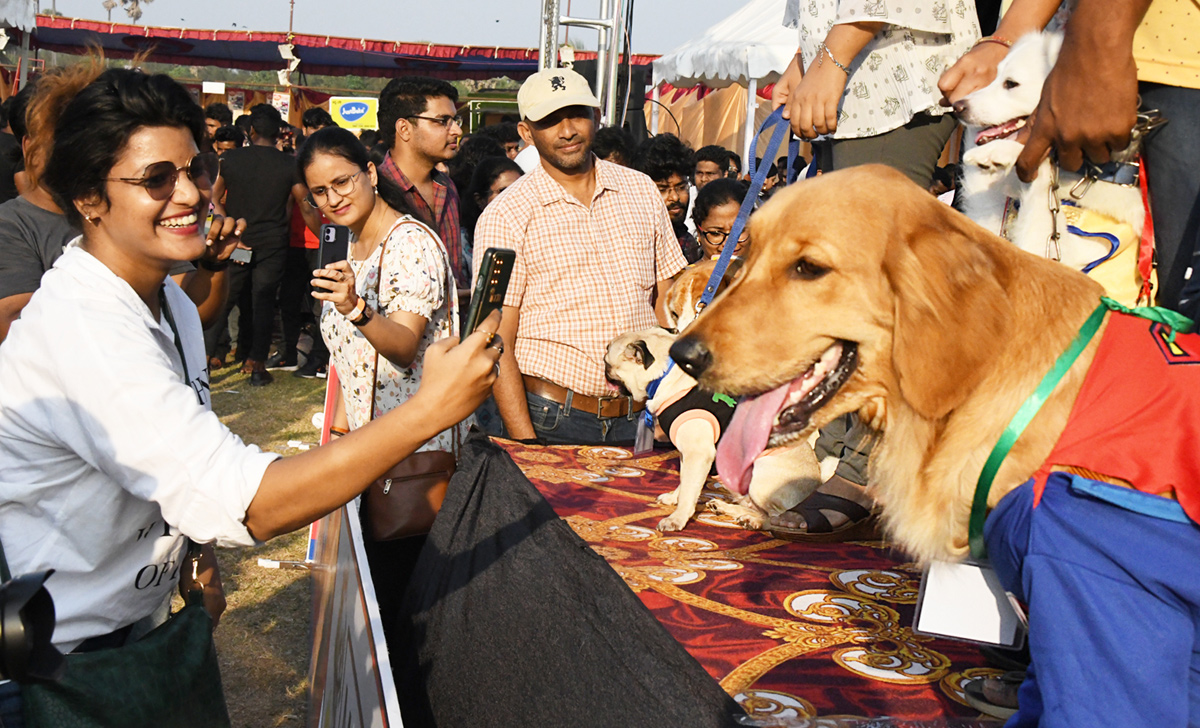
(259, 182)
(31, 239)
(10, 154)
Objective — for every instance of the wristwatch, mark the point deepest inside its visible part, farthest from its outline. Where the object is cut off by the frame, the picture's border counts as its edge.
(363, 318)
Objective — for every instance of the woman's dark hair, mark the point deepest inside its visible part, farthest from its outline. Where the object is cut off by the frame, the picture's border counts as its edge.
(342, 143)
(717, 193)
(96, 125)
(471, 151)
(482, 180)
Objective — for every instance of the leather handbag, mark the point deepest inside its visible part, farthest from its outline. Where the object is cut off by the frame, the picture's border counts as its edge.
(406, 500)
(170, 677)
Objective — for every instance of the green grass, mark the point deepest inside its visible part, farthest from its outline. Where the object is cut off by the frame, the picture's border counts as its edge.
(263, 640)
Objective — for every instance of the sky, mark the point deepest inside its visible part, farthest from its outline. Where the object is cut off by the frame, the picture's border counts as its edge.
(658, 25)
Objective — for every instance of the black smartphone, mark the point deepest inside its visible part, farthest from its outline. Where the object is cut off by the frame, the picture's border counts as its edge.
(490, 286)
(335, 244)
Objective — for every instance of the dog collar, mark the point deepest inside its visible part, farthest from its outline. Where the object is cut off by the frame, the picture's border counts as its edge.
(1175, 321)
(652, 389)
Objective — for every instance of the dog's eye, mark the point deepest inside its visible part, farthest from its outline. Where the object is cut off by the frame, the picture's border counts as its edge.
(1010, 84)
(809, 271)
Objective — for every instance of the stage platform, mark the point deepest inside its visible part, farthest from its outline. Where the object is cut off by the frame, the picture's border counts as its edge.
(791, 631)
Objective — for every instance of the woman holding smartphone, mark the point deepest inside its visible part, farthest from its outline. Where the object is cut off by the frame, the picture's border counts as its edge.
(110, 455)
(386, 303)
(383, 308)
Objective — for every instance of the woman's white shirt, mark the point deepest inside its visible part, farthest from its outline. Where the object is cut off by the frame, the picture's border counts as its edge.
(895, 77)
(108, 457)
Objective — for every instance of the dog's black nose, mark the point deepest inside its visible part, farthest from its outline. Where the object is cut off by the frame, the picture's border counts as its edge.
(960, 106)
(691, 355)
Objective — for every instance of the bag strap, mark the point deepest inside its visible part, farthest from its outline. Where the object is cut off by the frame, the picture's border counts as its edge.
(450, 291)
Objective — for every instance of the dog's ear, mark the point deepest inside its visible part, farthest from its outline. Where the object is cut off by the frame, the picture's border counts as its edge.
(639, 352)
(949, 280)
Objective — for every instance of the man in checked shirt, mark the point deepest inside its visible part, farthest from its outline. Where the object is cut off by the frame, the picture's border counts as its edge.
(595, 257)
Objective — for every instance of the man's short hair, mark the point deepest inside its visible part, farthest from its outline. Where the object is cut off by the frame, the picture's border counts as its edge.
(219, 112)
(661, 156)
(266, 121)
(229, 133)
(406, 97)
(316, 118)
(505, 132)
(611, 140)
(714, 153)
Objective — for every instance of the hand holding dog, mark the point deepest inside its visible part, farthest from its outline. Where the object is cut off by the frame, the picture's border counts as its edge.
(337, 284)
(973, 71)
(812, 106)
(1089, 102)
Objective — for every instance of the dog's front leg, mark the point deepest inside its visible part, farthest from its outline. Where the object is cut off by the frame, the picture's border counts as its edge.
(696, 454)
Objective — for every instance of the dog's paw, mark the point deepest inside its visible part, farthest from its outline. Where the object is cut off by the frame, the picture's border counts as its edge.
(998, 156)
(673, 522)
(745, 517)
(668, 499)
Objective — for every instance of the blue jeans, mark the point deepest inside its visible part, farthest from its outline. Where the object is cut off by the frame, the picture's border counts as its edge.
(559, 424)
(1173, 172)
(1114, 606)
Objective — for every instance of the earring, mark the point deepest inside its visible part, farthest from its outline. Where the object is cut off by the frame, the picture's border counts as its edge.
(93, 220)
(375, 190)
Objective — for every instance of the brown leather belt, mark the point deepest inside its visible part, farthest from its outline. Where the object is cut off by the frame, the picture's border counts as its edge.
(600, 406)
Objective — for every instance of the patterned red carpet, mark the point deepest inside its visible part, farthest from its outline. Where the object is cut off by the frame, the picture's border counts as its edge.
(790, 630)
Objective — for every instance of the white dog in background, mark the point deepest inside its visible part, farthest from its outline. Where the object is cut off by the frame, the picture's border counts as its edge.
(993, 115)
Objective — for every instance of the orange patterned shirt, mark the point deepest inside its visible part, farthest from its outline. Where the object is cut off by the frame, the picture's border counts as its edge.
(583, 275)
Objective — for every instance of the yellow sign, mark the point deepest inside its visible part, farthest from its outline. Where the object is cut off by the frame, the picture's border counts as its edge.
(355, 113)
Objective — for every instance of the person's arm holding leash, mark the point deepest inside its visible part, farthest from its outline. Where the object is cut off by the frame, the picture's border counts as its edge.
(1073, 117)
(812, 104)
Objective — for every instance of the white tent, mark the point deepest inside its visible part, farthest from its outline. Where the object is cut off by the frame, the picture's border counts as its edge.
(17, 14)
(749, 48)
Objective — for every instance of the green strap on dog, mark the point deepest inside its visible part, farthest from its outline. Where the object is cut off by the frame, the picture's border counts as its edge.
(1175, 321)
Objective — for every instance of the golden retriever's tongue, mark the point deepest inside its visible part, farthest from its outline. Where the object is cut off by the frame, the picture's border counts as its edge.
(746, 437)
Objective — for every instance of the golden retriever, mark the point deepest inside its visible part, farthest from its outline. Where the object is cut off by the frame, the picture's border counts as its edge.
(903, 310)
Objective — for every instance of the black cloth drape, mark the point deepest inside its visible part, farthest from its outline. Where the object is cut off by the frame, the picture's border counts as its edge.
(512, 620)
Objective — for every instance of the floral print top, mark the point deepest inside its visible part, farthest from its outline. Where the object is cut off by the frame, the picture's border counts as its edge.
(414, 267)
(895, 77)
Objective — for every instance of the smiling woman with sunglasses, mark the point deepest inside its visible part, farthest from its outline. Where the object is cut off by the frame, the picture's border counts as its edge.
(110, 456)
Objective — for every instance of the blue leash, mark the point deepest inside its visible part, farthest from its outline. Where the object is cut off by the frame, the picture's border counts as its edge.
(782, 127)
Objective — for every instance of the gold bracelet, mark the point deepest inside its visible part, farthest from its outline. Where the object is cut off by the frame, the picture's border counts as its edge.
(821, 58)
(993, 39)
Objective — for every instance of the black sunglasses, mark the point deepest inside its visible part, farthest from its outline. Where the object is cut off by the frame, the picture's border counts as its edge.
(160, 178)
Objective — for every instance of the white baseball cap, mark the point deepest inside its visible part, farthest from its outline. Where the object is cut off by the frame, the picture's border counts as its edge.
(552, 89)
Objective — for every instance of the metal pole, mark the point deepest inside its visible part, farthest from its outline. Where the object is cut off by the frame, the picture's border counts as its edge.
(612, 72)
(23, 62)
(602, 53)
(751, 107)
(548, 52)
(655, 94)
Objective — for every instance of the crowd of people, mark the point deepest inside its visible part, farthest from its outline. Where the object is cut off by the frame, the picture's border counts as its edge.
(144, 240)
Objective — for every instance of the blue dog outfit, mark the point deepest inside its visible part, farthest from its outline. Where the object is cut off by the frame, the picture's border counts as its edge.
(1103, 545)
